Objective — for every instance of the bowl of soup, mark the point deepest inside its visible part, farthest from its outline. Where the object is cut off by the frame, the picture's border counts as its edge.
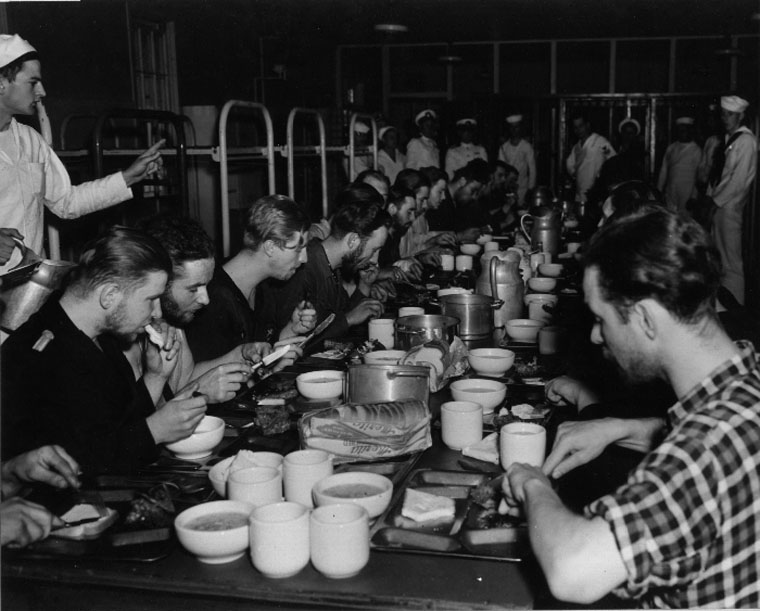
(488, 393)
(215, 532)
(321, 385)
(201, 442)
(370, 490)
(493, 362)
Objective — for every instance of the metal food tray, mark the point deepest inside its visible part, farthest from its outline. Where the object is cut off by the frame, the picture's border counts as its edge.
(392, 532)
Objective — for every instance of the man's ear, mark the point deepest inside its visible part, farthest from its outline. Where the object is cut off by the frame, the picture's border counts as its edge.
(109, 295)
(268, 247)
(353, 241)
(645, 317)
(392, 209)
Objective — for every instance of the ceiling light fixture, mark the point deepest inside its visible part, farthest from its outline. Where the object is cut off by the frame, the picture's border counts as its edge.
(391, 28)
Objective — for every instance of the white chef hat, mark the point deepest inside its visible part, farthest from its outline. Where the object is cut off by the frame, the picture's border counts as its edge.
(361, 128)
(467, 123)
(685, 121)
(12, 47)
(633, 122)
(512, 119)
(384, 130)
(425, 114)
(733, 103)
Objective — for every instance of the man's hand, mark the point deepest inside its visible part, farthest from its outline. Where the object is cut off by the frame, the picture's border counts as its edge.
(565, 390)
(411, 267)
(367, 278)
(222, 383)
(149, 162)
(290, 357)
(253, 352)
(367, 308)
(177, 418)
(468, 235)
(161, 362)
(445, 239)
(51, 465)
(7, 243)
(24, 522)
(514, 480)
(578, 443)
(303, 320)
(429, 257)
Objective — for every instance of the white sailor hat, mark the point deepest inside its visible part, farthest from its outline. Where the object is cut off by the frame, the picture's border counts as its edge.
(12, 47)
(467, 123)
(733, 103)
(361, 128)
(633, 122)
(384, 130)
(425, 114)
(685, 121)
(512, 119)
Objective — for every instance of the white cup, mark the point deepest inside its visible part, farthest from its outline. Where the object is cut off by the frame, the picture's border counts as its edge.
(463, 262)
(536, 259)
(266, 459)
(447, 262)
(339, 539)
(522, 442)
(256, 486)
(279, 536)
(461, 423)
(489, 246)
(536, 312)
(549, 339)
(301, 470)
(382, 330)
(411, 311)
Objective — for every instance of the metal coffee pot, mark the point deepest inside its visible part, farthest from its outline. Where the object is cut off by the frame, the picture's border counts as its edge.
(545, 229)
(501, 272)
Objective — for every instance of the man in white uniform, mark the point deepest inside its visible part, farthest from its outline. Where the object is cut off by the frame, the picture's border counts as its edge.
(389, 159)
(731, 192)
(31, 175)
(678, 175)
(587, 157)
(459, 156)
(518, 153)
(423, 152)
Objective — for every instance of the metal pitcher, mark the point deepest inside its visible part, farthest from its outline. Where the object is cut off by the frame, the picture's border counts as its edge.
(545, 229)
(501, 278)
(26, 287)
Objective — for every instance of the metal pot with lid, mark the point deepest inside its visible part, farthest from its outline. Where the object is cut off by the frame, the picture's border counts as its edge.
(415, 330)
(383, 383)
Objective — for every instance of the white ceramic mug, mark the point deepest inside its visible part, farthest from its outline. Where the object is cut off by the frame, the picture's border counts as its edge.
(549, 340)
(301, 470)
(463, 262)
(339, 539)
(410, 311)
(382, 330)
(489, 246)
(256, 486)
(522, 442)
(461, 423)
(447, 262)
(279, 536)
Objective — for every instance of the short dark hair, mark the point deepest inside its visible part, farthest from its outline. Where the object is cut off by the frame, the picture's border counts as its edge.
(370, 173)
(476, 170)
(121, 255)
(630, 196)
(359, 209)
(433, 174)
(498, 163)
(9, 71)
(182, 237)
(411, 179)
(398, 194)
(273, 217)
(657, 254)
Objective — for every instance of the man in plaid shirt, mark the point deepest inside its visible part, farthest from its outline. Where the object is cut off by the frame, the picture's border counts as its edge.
(684, 531)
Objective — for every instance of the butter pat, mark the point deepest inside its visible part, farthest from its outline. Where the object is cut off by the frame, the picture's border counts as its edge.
(424, 507)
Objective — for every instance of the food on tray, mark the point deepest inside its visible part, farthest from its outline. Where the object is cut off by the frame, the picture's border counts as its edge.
(155, 337)
(424, 507)
(488, 508)
(272, 419)
(153, 509)
(356, 490)
(221, 520)
(431, 354)
(394, 413)
(525, 411)
(529, 368)
(487, 449)
(101, 520)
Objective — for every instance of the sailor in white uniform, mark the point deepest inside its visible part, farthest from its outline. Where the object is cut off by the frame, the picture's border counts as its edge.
(459, 156)
(423, 152)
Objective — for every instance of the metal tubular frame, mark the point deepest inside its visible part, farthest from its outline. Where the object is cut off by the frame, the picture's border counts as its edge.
(223, 161)
(290, 149)
(351, 144)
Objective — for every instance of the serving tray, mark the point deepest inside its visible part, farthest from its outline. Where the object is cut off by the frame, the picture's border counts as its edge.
(459, 536)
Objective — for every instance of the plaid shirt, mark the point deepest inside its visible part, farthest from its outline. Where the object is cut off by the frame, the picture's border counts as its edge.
(687, 522)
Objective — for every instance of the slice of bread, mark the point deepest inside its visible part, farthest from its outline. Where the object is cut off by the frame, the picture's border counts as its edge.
(424, 507)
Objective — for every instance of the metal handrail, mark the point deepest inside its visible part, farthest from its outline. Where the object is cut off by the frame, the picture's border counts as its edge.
(352, 148)
(223, 169)
(321, 150)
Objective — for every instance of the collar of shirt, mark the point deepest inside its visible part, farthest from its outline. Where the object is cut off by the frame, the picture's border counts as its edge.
(739, 365)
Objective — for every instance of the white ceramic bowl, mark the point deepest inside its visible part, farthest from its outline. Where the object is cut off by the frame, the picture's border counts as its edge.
(322, 384)
(203, 440)
(542, 298)
(454, 290)
(542, 285)
(355, 487)
(488, 393)
(491, 361)
(214, 546)
(217, 475)
(384, 357)
(524, 329)
(469, 249)
(551, 270)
